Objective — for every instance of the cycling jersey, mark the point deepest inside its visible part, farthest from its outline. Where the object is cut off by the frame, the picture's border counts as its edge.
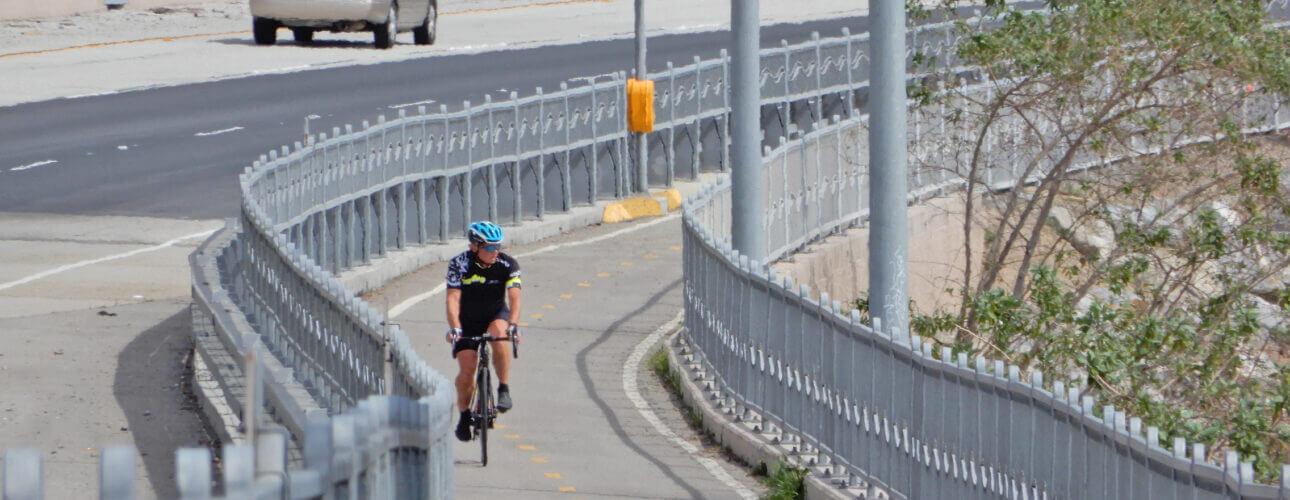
(483, 289)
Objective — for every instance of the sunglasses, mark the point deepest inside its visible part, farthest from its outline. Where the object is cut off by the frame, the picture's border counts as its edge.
(491, 248)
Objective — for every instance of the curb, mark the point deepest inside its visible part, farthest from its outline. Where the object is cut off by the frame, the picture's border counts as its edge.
(747, 439)
(363, 279)
(642, 206)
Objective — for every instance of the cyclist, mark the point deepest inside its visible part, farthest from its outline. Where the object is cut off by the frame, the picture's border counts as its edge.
(481, 282)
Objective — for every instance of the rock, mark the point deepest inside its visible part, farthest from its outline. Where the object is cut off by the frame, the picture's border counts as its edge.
(1093, 238)
(1226, 215)
(1269, 314)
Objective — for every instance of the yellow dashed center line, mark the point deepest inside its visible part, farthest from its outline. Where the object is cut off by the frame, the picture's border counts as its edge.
(523, 323)
(675, 247)
(566, 296)
(552, 475)
(650, 256)
(539, 460)
(548, 306)
(603, 275)
(527, 447)
(512, 436)
(567, 488)
(535, 316)
(498, 426)
(625, 263)
(584, 284)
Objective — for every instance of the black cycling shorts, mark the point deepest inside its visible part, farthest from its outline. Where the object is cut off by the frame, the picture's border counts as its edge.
(472, 326)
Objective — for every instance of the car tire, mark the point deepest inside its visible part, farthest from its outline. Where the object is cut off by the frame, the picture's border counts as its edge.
(265, 31)
(425, 34)
(386, 31)
(303, 35)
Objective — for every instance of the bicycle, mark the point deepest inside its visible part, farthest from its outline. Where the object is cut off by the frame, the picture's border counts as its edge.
(484, 408)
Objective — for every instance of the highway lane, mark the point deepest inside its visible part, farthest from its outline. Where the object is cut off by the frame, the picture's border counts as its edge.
(175, 151)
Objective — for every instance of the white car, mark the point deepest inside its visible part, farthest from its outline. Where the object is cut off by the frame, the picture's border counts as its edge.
(385, 18)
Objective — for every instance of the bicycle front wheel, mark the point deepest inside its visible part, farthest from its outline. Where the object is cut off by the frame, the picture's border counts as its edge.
(484, 420)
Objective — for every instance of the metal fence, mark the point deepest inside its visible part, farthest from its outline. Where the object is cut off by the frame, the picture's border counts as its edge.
(384, 447)
(895, 412)
(340, 200)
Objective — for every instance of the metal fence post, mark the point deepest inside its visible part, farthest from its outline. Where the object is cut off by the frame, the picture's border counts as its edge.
(745, 115)
(889, 296)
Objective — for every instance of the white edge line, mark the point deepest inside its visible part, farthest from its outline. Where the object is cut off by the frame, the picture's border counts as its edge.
(218, 132)
(410, 104)
(630, 387)
(403, 307)
(33, 165)
(95, 94)
(77, 265)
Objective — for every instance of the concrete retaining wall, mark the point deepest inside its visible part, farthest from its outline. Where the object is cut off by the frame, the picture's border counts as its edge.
(839, 265)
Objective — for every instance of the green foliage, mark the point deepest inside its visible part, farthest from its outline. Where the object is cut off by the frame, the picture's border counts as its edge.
(1259, 173)
(1163, 322)
(785, 482)
(659, 365)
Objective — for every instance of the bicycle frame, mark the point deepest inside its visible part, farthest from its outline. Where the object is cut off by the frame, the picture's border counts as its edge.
(484, 403)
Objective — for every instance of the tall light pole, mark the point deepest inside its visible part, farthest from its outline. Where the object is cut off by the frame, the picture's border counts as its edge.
(747, 190)
(642, 138)
(889, 227)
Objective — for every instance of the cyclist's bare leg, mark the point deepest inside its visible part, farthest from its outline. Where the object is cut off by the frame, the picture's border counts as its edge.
(501, 350)
(466, 362)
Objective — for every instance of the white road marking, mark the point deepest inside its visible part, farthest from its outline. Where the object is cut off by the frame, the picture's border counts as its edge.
(403, 307)
(287, 69)
(218, 132)
(78, 265)
(33, 165)
(633, 394)
(96, 94)
(410, 104)
(122, 147)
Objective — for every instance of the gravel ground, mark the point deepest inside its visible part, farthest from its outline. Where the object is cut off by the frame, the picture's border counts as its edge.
(19, 36)
(113, 26)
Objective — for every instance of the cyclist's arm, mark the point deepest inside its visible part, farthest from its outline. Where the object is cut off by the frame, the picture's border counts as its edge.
(453, 303)
(513, 295)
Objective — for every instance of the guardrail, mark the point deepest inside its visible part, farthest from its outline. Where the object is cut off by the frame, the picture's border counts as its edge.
(341, 200)
(380, 448)
(892, 412)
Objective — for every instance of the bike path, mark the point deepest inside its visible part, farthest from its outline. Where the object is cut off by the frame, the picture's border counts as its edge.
(574, 431)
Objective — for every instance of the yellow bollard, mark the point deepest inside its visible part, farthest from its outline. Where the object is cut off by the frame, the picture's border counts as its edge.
(640, 105)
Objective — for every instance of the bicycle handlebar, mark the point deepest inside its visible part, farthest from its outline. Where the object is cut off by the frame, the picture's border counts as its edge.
(515, 347)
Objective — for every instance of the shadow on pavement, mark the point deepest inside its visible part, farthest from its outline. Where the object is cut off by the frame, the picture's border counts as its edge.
(152, 388)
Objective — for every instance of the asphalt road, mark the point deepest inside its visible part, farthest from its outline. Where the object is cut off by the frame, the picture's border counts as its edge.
(176, 151)
(578, 430)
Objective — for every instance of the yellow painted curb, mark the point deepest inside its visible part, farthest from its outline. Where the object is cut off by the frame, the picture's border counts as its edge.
(673, 199)
(632, 208)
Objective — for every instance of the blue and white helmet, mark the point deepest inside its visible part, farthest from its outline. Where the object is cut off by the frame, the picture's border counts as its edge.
(484, 232)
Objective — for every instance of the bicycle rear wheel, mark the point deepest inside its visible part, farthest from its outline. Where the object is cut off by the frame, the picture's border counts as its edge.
(483, 419)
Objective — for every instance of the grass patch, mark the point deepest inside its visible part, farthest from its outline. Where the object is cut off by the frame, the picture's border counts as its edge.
(785, 483)
(659, 364)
